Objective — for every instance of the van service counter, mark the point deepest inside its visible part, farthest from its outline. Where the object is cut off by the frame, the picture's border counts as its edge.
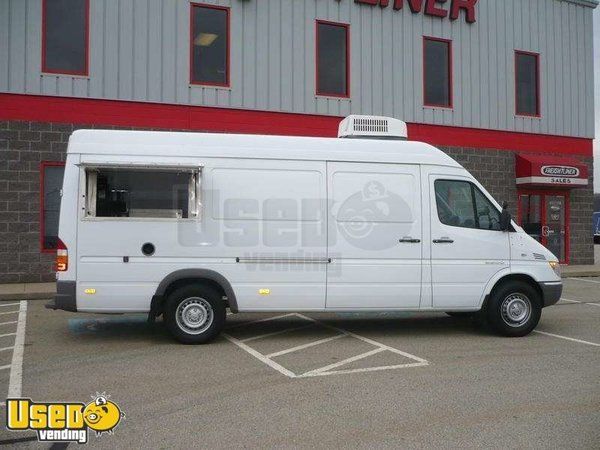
(504, 87)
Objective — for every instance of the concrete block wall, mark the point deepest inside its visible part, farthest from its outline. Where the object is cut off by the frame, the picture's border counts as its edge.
(24, 145)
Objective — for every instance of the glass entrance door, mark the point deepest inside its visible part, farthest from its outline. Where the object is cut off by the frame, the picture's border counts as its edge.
(543, 215)
(554, 230)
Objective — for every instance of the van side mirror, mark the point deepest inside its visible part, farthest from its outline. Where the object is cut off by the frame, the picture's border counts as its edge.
(505, 218)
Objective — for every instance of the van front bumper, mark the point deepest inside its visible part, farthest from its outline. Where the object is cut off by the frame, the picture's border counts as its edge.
(65, 297)
(551, 292)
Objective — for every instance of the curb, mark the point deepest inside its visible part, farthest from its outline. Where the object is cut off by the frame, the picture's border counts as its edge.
(27, 291)
(581, 273)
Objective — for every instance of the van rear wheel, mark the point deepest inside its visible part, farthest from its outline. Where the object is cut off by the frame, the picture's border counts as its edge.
(194, 314)
(514, 309)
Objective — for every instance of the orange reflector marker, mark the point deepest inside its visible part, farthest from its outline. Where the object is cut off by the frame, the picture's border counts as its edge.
(62, 257)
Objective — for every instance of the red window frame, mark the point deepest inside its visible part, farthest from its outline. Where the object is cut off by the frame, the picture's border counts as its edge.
(450, 104)
(43, 166)
(346, 26)
(228, 56)
(85, 72)
(543, 193)
(538, 85)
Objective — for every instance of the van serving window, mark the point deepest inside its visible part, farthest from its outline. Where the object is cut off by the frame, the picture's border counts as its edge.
(332, 59)
(437, 68)
(65, 36)
(209, 46)
(462, 204)
(142, 193)
(527, 84)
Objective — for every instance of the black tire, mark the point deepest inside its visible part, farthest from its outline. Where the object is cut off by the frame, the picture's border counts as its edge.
(462, 314)
(204, 304)
(514, 309)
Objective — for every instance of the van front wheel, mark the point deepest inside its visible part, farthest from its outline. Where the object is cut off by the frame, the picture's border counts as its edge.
(514, 309)
(194, 314)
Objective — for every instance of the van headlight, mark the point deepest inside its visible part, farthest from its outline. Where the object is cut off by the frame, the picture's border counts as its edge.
(556, 267)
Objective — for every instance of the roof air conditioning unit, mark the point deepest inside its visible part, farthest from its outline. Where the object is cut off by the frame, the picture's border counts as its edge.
(372, 127)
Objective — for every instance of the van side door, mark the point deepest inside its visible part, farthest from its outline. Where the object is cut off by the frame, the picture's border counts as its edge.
(374, 236)
(467, 246)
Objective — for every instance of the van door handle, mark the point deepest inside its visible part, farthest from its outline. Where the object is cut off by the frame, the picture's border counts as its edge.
(409, 240)
(443, 240)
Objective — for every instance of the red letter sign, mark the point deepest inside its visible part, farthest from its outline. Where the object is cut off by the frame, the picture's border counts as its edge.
(432, 7)
(414, 5)
(467, 5)
(432, 10)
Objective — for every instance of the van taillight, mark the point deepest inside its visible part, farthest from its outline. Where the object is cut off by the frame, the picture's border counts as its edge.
(62, 257)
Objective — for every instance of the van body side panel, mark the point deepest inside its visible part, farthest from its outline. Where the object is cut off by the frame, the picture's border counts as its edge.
(68, 215)
(273, 217)
(375, 236)
(262, 226)
(463, 259)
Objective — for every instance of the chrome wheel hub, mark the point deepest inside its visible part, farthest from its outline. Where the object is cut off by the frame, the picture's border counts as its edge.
(516, 310)
(194, 315)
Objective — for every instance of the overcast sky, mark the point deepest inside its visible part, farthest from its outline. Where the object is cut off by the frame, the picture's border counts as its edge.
(597, 96)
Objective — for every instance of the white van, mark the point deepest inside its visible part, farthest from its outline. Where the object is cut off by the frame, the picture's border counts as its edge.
(184, 225)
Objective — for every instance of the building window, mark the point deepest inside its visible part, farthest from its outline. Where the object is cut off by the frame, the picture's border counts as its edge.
(437, 72)
(142, 193)
(209, 58)
(65, 36)
(527, 83)
(462, 204)
(333, 59)
(51, 178)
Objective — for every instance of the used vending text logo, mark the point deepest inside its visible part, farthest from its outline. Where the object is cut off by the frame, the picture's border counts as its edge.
(63, 421)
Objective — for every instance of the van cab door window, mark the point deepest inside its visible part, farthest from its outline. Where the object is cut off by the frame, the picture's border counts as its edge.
(487, 215)
(462, 204)
(142, 193)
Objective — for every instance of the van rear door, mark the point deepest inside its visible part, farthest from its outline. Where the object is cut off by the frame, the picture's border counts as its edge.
(374, 236)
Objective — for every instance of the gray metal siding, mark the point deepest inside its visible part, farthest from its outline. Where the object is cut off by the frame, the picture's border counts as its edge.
(139, 50)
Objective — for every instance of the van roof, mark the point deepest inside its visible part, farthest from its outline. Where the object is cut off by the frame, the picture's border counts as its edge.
(179, 144)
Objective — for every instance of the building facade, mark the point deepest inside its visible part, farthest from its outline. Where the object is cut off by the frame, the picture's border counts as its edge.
(505, 87)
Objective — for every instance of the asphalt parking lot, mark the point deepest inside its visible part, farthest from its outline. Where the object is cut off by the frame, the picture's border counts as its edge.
(318, 380)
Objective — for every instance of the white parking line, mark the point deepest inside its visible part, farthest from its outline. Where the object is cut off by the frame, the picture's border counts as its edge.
(4, 368)
(326, 370)
(260, 320)
(303, 346)
(8, 304)
(568, 300)
(345, 361)
(8, 312)
(16, 371)
(3, 349)
(275, 333)
(7, 334)
(584, 279)
(370, 341)
(8, 323)
(567, 338)
(261, 357)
